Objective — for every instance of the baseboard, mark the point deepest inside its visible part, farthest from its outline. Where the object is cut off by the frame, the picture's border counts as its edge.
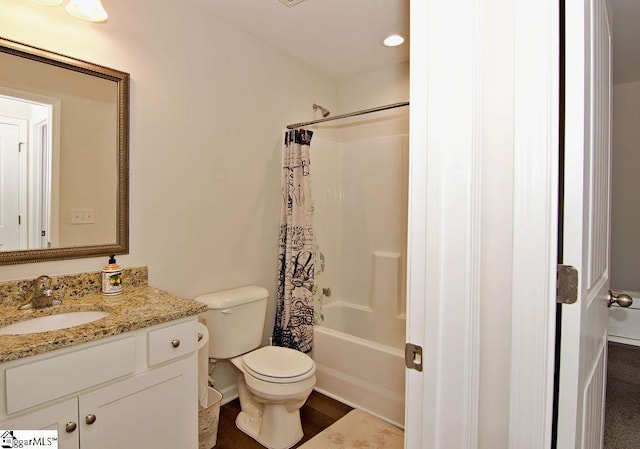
(228, 393)
(624, 340)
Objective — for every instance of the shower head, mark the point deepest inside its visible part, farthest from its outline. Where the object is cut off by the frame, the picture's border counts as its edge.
(325, 112)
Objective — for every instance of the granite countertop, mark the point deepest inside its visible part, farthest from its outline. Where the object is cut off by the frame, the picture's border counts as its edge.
(137, 307)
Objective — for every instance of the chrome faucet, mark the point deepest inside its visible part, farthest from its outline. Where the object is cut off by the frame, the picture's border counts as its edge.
(42, 295)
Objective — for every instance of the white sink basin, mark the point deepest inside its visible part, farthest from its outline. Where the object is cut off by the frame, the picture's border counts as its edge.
(52, 322)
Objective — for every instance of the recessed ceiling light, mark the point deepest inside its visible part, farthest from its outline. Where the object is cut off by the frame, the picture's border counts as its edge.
(393, 40)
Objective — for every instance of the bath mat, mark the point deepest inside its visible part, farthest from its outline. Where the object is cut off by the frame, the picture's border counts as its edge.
(357, 430)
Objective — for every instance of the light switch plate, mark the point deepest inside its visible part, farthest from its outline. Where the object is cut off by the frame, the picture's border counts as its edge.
(82, 216)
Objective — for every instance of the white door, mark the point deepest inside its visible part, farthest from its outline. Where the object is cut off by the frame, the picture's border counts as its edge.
(436, 418)
(12, 183)
(586, 232)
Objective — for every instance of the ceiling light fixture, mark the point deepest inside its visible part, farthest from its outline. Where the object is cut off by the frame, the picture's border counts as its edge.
(393, 40)
(91, 10)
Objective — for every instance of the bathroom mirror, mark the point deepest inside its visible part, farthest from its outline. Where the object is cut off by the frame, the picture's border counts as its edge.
(64, 157)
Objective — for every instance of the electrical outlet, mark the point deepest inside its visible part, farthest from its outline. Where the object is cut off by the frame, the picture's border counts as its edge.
(82, 216)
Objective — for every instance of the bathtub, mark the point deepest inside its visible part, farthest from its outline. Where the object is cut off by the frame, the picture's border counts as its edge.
(380, 324)
(624, 322)
(360, 373)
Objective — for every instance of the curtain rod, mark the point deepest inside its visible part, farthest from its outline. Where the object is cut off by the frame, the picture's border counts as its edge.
(350, 114)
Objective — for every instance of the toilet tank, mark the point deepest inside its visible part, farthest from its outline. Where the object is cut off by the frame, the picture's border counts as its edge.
(235, 320)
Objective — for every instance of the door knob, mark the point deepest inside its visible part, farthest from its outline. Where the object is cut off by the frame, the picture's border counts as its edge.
(623, 300)
(70, 427)
(90, 419)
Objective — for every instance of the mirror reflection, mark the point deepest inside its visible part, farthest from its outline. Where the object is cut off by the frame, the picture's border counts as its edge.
(63, 156)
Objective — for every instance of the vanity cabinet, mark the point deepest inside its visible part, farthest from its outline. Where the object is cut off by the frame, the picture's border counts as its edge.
(135, 390)
(55, 417)
(146, 411)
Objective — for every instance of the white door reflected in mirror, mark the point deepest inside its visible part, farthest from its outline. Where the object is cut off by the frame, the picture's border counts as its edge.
(9, 183)
(25, 181)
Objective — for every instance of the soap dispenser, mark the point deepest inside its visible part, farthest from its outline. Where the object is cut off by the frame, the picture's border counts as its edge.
(111, 278)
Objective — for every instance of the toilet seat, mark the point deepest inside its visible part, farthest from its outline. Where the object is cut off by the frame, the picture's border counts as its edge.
(278, 365)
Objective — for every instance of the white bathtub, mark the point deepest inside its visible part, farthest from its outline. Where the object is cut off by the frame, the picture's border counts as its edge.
(379, 325)
(360, 373)
(624, 322)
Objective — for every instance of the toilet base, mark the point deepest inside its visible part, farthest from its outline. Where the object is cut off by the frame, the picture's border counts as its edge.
(277, 428)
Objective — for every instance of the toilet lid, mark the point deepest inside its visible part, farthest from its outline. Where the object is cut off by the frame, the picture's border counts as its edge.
(277, 362)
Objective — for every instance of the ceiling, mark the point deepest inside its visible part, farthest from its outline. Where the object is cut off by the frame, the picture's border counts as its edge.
(339, 37)
(342, 37)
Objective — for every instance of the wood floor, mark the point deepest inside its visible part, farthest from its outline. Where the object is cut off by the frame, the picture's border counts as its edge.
(317, 414)
(622, 409)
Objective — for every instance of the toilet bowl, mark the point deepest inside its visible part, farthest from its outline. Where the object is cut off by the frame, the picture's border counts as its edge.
(272, 382)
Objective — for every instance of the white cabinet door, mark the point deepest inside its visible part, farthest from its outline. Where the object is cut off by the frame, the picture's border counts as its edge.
(62, 417)
(157, 410)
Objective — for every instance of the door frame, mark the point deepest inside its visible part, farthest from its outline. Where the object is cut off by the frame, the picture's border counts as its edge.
(535, 225)
(444, 235)
(444, 255)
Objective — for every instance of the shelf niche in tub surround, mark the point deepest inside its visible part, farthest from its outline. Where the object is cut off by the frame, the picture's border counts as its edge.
(139, 306)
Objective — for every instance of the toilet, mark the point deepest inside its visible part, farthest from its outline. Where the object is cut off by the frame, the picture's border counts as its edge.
(273, 382)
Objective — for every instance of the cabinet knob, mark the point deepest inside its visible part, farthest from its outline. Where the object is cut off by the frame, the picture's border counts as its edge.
(175, 343)
(70, 427)
(90, 419)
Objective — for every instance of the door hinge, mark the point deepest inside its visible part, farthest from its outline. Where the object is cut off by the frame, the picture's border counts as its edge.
(20, 146)
(413, 356)
(19, 220)
(566, 284)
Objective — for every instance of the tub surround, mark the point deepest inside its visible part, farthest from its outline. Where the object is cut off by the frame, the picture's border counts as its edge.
(139, 306)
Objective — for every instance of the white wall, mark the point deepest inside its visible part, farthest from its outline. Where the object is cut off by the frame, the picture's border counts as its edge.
(375, 88)
(208, 107)
(625, 212)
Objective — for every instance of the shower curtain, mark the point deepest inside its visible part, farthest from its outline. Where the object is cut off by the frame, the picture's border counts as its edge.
(296, 278)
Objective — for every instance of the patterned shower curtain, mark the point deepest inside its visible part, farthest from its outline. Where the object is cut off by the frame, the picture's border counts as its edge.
(296, 279)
